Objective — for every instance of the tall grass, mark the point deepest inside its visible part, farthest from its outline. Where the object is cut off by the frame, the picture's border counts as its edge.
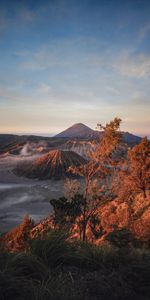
(57, 268)
(53, 250)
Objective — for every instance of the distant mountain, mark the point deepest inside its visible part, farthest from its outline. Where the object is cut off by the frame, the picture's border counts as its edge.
(14, 144)
(78, 130)
(81, 131)
(130, 138)
(54, 164)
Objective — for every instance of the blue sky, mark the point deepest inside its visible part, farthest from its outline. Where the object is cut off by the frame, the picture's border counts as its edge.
(69, 61)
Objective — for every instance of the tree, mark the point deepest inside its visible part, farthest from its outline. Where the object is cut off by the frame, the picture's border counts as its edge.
(139, 168)
(133, 181)
(121, 238)
(66, 211)
(72, 187)
(18, 238)
(100, 166)
(135, 173)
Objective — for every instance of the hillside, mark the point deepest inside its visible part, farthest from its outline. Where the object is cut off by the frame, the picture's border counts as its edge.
(14, 144)
(81, 147)
(130, 138)
(52, 267)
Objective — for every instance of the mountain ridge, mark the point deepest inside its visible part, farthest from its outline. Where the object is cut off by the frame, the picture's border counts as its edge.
(80, 130)
(10, 143)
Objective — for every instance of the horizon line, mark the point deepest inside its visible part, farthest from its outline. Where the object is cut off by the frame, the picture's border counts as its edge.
(52, 135)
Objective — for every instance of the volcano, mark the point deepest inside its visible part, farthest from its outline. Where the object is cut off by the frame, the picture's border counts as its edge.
(54, 165)
(78, 130)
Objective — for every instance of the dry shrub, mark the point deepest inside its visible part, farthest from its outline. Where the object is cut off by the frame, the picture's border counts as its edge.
(18, 238)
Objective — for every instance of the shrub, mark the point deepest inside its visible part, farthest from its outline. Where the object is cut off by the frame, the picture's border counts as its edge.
(52, 250)
(120, 238)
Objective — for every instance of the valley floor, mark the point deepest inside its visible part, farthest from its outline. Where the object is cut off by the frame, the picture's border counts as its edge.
(20, 196)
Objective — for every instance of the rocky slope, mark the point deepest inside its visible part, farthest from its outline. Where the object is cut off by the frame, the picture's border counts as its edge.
(81, 147)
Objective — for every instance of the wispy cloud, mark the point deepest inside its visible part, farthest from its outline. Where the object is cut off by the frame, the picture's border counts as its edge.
(144, 31)
(15, 19)
(139, 98)
(133, 65)
(69, 51)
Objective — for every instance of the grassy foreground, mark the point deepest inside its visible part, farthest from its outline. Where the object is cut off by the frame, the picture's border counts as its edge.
(55, 268)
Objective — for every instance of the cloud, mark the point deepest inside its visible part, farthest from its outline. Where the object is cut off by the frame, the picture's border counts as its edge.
(139, 98)
(26, 15)
(41, 59)
(144, 31)
(45, 89)
(15, 18)
(8, 93)
(66, 52)
(133, 65)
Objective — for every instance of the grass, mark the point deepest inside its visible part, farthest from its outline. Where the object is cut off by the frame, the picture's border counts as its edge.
(56, 268)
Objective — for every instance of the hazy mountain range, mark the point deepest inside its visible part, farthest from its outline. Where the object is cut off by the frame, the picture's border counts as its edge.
(50, 157)
(14, 143)
(82, 131)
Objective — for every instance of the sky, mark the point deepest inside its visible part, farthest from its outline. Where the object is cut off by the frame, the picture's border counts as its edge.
(69, 61)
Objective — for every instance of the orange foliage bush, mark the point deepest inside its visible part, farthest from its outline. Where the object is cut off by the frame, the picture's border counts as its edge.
(17, 239)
